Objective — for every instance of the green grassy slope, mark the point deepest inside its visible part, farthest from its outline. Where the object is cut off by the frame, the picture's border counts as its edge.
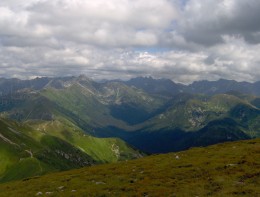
(37, 147)
(229, 169)
(100, 149)
(26, 152)
(193, 112)
(65, 110)
(111, 104)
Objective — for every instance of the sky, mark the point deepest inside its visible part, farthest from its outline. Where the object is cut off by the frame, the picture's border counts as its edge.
(183, 40)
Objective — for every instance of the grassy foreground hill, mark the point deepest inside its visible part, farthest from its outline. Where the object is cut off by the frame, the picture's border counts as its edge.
(229, 169)
(38, 147)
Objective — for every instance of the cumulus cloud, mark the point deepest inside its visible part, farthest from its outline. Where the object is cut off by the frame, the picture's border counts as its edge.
(205, 22)
(112, 23)
(184, 40)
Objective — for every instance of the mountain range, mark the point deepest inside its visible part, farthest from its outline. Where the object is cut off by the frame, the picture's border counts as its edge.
(168, 87)
(53, 124)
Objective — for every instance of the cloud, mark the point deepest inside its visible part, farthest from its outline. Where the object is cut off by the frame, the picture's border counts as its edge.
(182, 40)
(205, 22)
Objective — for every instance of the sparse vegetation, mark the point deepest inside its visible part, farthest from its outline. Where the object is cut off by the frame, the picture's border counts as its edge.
(229, 169)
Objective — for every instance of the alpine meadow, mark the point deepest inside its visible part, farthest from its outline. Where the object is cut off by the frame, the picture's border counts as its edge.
(129, 98)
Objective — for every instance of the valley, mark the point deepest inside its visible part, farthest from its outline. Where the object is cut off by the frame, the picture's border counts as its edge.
(55, 124)
(130, 98)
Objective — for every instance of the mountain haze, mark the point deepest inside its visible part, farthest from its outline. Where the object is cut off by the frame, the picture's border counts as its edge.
(168, 87)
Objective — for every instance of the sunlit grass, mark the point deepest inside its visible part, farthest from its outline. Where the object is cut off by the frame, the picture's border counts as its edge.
(230, 169)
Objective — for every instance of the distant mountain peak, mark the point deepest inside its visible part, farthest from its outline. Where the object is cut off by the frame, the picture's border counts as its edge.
(84, 78)
(156, 86)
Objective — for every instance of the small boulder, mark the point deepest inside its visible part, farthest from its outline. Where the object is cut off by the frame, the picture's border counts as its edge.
(39, 194)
